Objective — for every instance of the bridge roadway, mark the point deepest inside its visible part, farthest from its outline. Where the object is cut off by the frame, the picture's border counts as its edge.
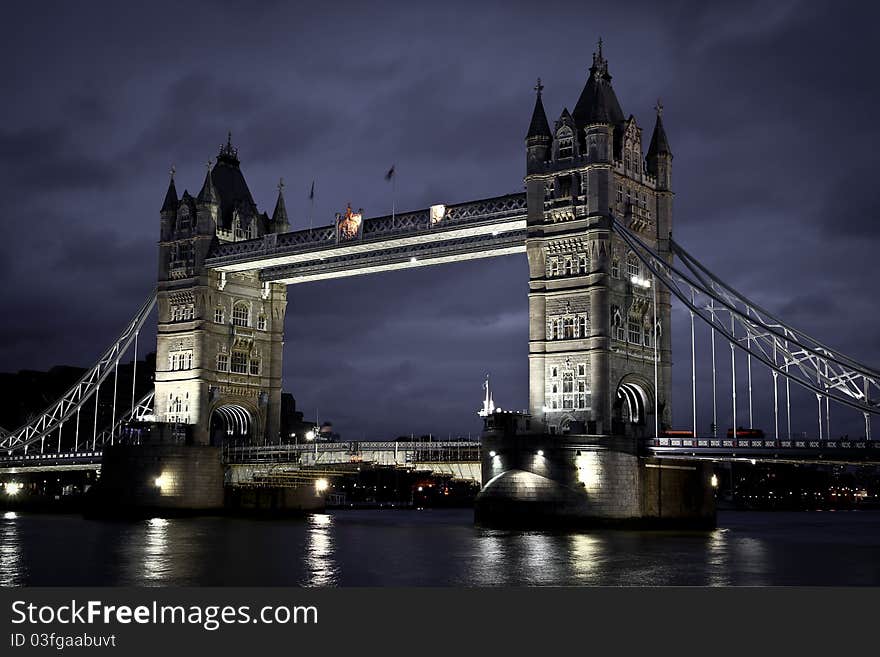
(439, 454)
(435, 235)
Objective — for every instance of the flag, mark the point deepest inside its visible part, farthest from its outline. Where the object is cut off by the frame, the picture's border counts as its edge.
(390, 174)
(312, 191)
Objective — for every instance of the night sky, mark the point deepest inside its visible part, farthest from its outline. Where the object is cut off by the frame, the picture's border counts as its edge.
(769, 107)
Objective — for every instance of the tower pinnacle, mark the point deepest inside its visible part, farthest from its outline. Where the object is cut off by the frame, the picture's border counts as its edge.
(209, 194)
(280, 223)
(170, 203)
(539, 128)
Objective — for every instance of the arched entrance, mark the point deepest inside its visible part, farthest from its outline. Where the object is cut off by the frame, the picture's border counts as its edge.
(231, 424)
(632, 404)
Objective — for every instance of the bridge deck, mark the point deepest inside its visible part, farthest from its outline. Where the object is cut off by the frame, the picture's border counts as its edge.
(480, 229)
(468, 451)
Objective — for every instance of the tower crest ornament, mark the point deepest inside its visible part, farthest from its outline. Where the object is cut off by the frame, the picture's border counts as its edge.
(349, 225)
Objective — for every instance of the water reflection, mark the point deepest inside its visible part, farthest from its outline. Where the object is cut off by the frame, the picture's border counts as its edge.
(155, 559)
(587, 558)
(491, 555)
(12, 570)
(321, 568)
(441, 548)
(540, 560)
(751, 561)
(718, 558)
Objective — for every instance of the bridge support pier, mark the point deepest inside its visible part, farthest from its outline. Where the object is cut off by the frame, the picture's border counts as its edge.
(539, 480)
(160, 479)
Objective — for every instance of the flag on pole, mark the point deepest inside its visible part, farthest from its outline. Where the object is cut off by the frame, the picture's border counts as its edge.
(390, 174)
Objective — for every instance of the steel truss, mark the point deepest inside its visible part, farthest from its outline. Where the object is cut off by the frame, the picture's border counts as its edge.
(786, 351)
(62, 410)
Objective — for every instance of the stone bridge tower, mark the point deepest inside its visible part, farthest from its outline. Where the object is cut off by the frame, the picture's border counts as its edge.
(591, 301)
(218, 354)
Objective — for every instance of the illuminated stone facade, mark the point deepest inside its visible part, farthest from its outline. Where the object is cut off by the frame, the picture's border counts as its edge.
(591, 302)
(220, 336)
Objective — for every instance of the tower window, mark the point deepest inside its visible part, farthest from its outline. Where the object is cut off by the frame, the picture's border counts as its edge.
(582, 369)
(582, 326)
(255, 366)
(568, 328)
(239, 362)
(566, 148)
(218, 315)
(617, 324)
(582, 264)
(615, 268)
(182, 312)
(223, 362)
(564, 183)
(180, 360)
(632, 265)
(568, 390)
(261, 323)
(569, 267)
(554, 372)
(635, 331)
(240, 314)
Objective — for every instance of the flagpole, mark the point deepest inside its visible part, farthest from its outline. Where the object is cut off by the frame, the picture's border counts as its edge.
(311, 206)
(393, 194)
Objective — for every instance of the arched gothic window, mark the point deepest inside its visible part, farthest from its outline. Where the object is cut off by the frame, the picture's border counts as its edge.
(240, 314)
(632, 265)
(617, 324)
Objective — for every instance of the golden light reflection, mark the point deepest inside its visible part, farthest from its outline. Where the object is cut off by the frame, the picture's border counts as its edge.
(11, 551)
(718, 558)
(321, 568)
(156, 563)
(588, 558)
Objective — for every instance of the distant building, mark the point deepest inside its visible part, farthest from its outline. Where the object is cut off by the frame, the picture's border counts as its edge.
(293, 427)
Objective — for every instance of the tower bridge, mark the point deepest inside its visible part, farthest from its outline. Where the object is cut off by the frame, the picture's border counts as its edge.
(596, 224)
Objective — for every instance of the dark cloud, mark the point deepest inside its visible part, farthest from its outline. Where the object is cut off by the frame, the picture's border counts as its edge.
(769, 109)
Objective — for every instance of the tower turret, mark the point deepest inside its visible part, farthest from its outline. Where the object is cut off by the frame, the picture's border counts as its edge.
(208, 202)
(659, 158)
(539, 137)
(280, 223)
(169, 209)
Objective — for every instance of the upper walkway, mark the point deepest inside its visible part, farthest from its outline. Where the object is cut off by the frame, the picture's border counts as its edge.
(442, 233)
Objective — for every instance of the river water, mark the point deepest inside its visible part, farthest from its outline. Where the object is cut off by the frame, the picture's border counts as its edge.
(435, 548)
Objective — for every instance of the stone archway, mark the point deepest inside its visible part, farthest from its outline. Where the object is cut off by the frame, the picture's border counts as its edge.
(633, 404)
(231, 424)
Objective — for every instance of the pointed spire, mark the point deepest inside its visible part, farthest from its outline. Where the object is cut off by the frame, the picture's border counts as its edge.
(598, 102)
(170, 204)
(228, 153)
(539, 127)
(279, 216)
(209, 192)
(659, 142)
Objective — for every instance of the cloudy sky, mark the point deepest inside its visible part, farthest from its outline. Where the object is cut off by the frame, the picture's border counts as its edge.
(770, 111)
